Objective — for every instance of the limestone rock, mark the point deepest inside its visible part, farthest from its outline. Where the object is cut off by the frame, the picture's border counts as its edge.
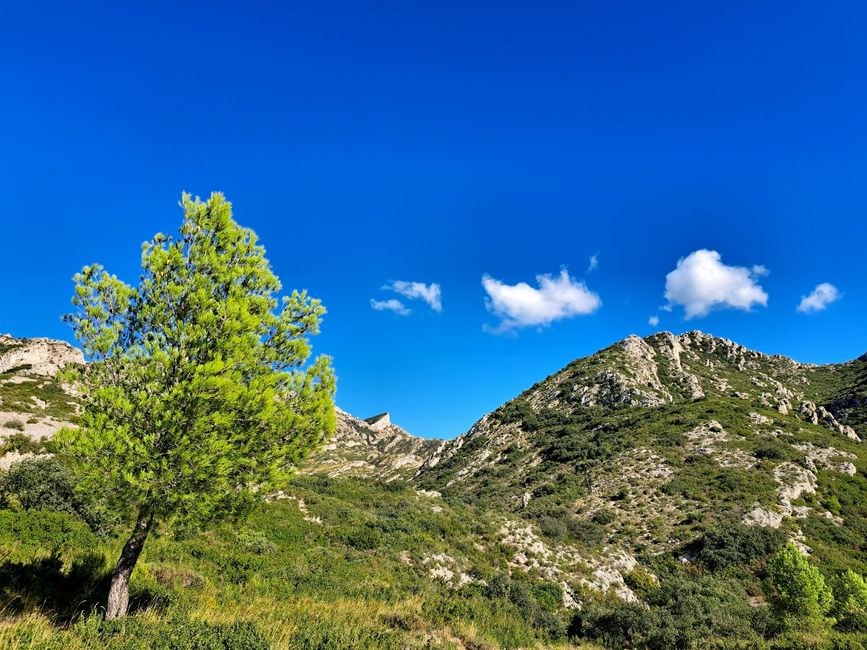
(40, 356)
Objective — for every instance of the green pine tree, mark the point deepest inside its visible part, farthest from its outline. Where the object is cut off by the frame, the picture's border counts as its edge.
(799, 595)
(199, 397)
(850, 602)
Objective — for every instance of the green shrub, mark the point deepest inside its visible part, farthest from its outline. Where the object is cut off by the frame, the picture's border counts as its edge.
(590, 533)
(850, 602)
(641, 582)
(41, 530)
(735, 544)
(799, 596)
(622, 625)
(604, 516)
(21, 444)
(17, 425)
(47, 484)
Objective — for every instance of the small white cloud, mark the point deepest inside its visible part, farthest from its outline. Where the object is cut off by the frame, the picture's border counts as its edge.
(822, 296)
(594, 262)
(393, 304)
(701, 282)
(761, 270)
(653, 321)
(520, 305)
(430, 293)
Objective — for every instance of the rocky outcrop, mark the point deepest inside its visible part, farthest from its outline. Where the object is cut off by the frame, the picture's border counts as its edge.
(604, 574)
(42, 357)
(379, 422)
(372, 448)
(819, 415)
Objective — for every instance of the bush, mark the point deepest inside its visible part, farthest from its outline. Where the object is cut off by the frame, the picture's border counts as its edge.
(21, 443)
(17, 425)
(774, 450)
(586, 532)
(623, 625)
(799, 596)
(604, 516)
(850, 602)
(46, 484)
(736, 545)
(44, 530)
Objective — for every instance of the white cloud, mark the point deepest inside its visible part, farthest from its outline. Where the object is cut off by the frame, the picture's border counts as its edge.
(430, 293)
(520, 305)
(653, 321)
(702, 282)
(393, 304)
(822, 296)
(594, 262)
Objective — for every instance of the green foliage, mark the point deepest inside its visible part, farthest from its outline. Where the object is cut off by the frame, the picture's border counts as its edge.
(850, 602)
(176, 633)
(702, 479)
(734, 544)
(22, 444)
(197, 397)
(682, 611)
(18, 425)
(798, 594)
(44, 529)
(46, 484)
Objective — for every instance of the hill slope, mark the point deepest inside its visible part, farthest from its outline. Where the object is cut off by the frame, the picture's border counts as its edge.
(632, 498)
(662, 436)
(373, 448)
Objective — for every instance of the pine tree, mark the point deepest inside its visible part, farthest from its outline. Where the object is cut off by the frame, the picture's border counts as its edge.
(799, 594)
(199, 396)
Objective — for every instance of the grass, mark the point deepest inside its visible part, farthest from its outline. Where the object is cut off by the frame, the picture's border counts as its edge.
(303, 584)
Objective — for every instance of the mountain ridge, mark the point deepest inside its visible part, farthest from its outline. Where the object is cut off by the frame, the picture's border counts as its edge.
(605, 482)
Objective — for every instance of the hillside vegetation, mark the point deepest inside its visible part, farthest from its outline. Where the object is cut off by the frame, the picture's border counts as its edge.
(667, 492)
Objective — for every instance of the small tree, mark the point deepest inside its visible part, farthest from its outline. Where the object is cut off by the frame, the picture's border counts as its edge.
(850, 602)
(198, 398)
(798, 593)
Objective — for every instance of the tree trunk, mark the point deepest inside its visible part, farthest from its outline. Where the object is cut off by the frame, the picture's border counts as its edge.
(118, 594)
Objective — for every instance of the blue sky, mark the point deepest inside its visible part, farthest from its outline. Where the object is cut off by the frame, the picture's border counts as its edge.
(443, 143)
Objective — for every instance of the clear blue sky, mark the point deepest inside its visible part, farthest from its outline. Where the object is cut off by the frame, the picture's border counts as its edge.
(442, 142)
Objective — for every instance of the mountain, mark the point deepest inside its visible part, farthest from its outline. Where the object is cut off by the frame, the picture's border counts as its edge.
(33, 403)
(660, 436)
(40, 357)
(373, 447)
(632, 498)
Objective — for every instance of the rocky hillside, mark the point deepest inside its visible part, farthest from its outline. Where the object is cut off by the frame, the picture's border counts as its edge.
(41, 357)
(33, 403)
(370, 448)
(643, 487)
(645, 443)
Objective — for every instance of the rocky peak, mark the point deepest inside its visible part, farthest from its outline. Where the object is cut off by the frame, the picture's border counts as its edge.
(379, 422)
(40, 356)
(371, 447)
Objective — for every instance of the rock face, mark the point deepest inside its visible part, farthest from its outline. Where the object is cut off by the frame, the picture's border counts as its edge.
(646, 435)
(43, 357)
(373, 448)
(379, 422)
(32, 400)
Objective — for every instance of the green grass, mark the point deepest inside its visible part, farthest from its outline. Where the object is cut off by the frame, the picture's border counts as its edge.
(341, 583)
